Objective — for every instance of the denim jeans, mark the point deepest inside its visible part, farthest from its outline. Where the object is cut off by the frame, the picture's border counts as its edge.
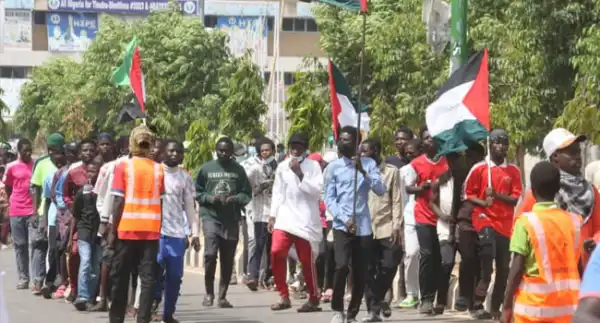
(90, 254)
(20, 237)
(261, 237)
(38, 244)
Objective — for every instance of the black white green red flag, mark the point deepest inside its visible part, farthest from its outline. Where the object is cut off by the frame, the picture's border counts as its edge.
(352, 5)
(130, 73)
(461, 111)
(343, 110)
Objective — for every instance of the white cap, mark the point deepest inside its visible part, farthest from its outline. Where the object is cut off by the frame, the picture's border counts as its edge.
(330, 156)
(560, 138)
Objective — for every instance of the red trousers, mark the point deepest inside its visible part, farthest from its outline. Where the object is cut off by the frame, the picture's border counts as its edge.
(280, 247)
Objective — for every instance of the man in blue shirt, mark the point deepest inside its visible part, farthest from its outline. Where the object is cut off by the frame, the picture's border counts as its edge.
(352, 233)
(588, 310)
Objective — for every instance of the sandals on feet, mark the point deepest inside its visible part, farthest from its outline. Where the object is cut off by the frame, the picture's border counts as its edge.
(280, 306)
(309, 307)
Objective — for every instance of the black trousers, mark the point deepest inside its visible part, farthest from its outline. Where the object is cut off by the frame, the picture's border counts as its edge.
(329, 265)
(448, 253)
(469, 270)
(358, 248)
(262, 239)
(216, 246)
(321, 262)
(430, 261)
(385, 257)
(493, 248)
(53, 257)
(130, 254)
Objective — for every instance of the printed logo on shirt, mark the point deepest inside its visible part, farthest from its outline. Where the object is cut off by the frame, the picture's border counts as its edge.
(217, 175)
(222, 188)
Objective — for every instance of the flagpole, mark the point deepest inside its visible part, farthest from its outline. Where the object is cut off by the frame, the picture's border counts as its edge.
(360, 90)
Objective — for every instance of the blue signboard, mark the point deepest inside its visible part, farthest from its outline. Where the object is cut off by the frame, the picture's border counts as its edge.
(71, 32)
(18, 4)
(189, 7)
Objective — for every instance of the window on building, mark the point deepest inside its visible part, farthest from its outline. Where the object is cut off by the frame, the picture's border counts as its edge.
(287, 24)
(311, 25)
(267, 77)
(288, 78)
(15, 72)
(270, 23)
(299, 24)
(39, 18)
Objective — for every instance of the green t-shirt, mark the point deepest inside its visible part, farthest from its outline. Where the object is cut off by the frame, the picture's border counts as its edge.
(521, 244)
(43, 167)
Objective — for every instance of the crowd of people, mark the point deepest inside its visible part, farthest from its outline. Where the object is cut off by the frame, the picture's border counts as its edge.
(106, 224)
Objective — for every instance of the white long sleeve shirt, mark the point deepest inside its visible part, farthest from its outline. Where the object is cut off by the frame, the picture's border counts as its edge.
(178, 204)
(102, 189)
(295, 203)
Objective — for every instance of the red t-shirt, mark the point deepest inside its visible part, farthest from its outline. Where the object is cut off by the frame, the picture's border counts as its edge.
(426, 170)
(506, 180)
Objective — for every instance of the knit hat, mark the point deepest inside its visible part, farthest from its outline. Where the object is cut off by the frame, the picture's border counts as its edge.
(141, 141)
(104, 136)
(55, 140)
(299, 138)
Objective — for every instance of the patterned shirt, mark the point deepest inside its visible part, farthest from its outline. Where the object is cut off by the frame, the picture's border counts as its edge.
(102, 189)
(259, 172)
(178, 203)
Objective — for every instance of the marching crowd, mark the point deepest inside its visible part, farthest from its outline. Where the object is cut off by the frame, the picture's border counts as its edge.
(105, 224)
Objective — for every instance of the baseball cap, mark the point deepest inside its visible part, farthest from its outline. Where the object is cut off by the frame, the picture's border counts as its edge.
(560, 138)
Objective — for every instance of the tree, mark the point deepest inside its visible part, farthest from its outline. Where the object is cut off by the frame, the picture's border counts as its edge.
(308, 104)
(189, 75)
(4, 131)
(401, 72)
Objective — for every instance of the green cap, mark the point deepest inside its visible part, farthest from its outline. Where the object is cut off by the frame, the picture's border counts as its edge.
(55, 140)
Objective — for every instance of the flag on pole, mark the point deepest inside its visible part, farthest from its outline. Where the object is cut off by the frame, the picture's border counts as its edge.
(461, 111)
(130, 73)
(343, 111)
(352, 5)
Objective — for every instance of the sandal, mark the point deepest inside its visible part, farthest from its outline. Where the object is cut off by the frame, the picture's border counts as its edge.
(326, 297)
(280, 306)
(309, 307)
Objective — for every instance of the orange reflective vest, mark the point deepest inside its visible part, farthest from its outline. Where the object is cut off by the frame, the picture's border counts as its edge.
(144, 186)
(552, 295)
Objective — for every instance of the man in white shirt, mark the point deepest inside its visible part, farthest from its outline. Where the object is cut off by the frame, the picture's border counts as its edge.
(261, 174)
(295, 220)
(179, 199)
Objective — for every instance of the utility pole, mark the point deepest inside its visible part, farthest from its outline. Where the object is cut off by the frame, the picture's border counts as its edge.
(458, 34)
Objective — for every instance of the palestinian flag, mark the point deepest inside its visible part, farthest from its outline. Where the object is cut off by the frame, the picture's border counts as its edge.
(130, 73)
(460, 113)
(343, 110)
(352, 5)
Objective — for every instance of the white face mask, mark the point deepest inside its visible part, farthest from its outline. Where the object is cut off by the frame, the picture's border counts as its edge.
(298, 158)
(269, 160)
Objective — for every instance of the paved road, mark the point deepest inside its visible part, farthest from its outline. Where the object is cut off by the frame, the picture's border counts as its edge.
(249, 307)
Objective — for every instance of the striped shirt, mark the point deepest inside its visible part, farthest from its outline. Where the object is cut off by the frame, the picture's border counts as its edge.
(179, 203)
(140, 181)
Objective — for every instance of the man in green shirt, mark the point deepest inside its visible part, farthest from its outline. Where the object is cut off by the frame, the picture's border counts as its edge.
(223, 190)
(42, 168)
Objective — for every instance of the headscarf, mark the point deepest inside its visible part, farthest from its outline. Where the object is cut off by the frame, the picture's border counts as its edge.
(139, 135)
(576, 195)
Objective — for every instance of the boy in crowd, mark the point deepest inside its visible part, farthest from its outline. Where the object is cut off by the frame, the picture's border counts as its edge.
(493, 218)
(543, 282)
(87, 219)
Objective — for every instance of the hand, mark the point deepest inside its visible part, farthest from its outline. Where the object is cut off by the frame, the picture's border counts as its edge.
(397, 237)
(426, 185)
(32, 221)
(196, 244)
(489, 200)
(111, 239)
(102, 229)
(271, 224)
(265, 185)
(229, 199)
(42, 229)
(435, 185)
(219, 199)
(357, 162)
(507, 315)
(295, 165)
(489, 192)
(351, 226)
(187, 243)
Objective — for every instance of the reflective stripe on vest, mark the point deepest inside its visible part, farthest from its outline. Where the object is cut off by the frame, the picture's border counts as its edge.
(133, 204)
(553, 286)
(544, 312)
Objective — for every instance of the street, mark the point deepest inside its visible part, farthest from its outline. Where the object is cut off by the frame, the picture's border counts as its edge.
(250, 307)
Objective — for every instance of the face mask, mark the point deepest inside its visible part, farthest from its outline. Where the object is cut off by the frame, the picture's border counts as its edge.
(269, 160)
(298, 158)
(252, 151)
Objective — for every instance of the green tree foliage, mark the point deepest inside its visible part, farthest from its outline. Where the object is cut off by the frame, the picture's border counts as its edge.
(308, 106)
(189, 75)
(4, 110)
(401, 72)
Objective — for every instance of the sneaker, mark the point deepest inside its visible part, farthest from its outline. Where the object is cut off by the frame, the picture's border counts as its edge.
(251, 283)
(338, 317)
(208, 301)
(36, 289)
(426, 308)
(460, 305)
(482, 315)
(372, 317)
(439, 309)
(71, 298)
(409, 302)
(46, 292)
(386, 311)
(80, 305)
(3, 247)
(23, 285)
(351, 320)
(224, 303)
(101, 306)
(60, 292)
(169, 320)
